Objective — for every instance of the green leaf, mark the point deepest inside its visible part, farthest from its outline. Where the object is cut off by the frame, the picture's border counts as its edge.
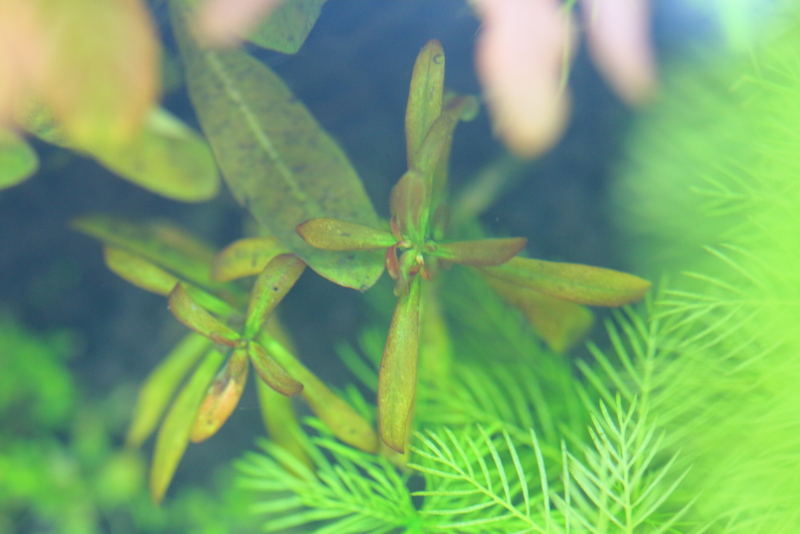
(160, 385)
(345, 423)
(334, 234)
(424, 97)
(222, 397)
(288, 26)
(271, 372)
(409, 204)
(277, 278)
(173, 436)
(560, 323)
(481, 252)
(191, 314)
(397, 378)
(245, 257)
(275, 158)
(592, 286)
(138, 271)
(18, 161)
(281, 421)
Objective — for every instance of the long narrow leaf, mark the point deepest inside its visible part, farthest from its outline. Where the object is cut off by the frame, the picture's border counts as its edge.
(222, 397)
(334, 234)
(191, 314)
(277, 278)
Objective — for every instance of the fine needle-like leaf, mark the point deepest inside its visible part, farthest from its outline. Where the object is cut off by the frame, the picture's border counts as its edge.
(271, 371)
(160, 385)
(173, 436)
(592, 286)
(334, 234)
(481, 252)
(222, 397)
(190, 313)
(277, 278)
(424, 97)
(245, 257)
(397, 378)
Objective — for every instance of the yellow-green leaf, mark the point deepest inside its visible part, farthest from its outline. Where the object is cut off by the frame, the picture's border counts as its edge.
(281, 422)
(18, 161)
(424, 98)
(191, 314)
(397, 378)
(560, 323)
(161, 384)
(277, 278)
(245, 257)
(583, 284)
(286, 28)
(173, 436)
(345, 423)
(221, 398)
(271, 372)
(275, 158)
(481, 252)
(138, 271)
(334, 234)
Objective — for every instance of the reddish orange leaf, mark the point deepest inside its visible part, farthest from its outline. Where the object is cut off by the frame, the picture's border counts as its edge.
(277, 278)
(190, 313)
(593, 286)
(397, 378)
(222, 397)
(334, 234)
(481, 252)
(271, 371)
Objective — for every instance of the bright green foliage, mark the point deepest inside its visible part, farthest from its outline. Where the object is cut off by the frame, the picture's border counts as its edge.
(274, 156)
(287, 27)
(18, 161)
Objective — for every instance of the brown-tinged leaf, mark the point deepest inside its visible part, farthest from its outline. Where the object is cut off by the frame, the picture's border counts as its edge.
(481, 252)
(138, 271)
(424, 97)
(161, 384)
(173, 436)
(18, 161)
(245, 257)
(281, 422)
(409, 203)
(345, 423)
(397, 378)
(221, 398)
(277, 278)
(191, 314)
(101, 74)
(271, 372)
(275, 158)
(583, 284)
(334, 234)
(461, 108)
(287, 27)
(560, 323)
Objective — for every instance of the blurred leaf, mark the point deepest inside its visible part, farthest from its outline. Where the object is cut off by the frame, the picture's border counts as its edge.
(222, 397)
(160, 385)
(281, 421)
(138, 271)
(345, 423)
(593, 286)
(334, 234)
(481, 252)
(100, 76)
(18, 161)
(463, 108)
(277, 278)
(397, 378)
(424, 98)
(276, 159)
(288, 26)
(409, 203)
(173, 436)
(560, 323)
(271, 372)
(245, 257)
(191, 314)
(160, 242)
(166, 157)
